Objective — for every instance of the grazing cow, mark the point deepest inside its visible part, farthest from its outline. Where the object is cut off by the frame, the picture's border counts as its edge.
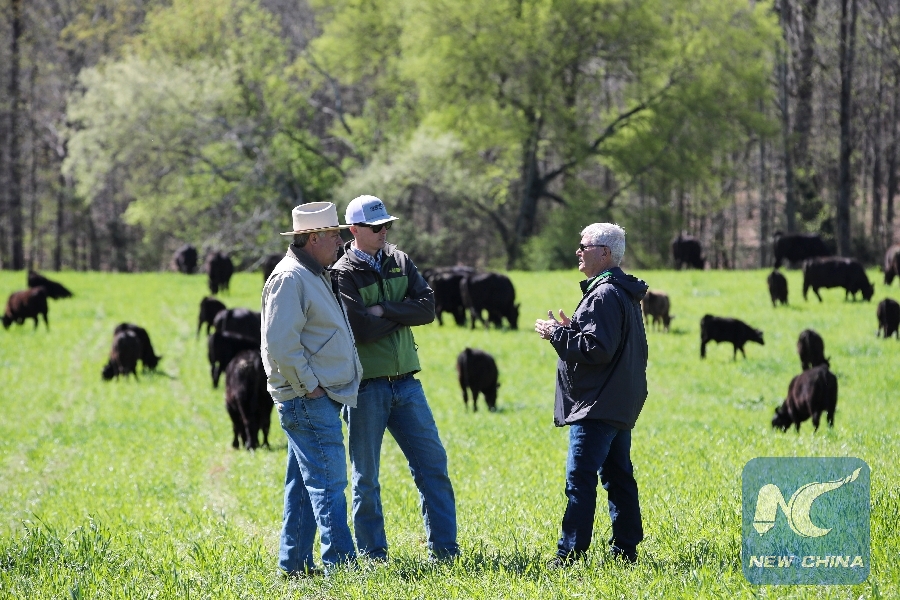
(686, 250)
(54, 290)
(477, 371)
(810, 393)
(185, 259)
(445, 282)
(209, 308)
(656, 304)
(219, 270)
(811, 349)
(126, 350)
(720, 329)
(27, 304)
(239, 321)
(149, 359)
(778, 289)
(834, 271)
(888, 314)
(222, 347)
(797, 246)
(269, 264)
(494, 293)
(891, 264)
(248, 402)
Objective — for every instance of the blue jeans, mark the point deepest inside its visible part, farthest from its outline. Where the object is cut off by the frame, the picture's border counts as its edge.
(401, 408)
(314, 485)
(596, 448)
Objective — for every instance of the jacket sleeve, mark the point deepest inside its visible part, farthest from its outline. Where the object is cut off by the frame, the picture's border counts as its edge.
(366, 327)
(417, 308)
(595, 333)
(281, 330)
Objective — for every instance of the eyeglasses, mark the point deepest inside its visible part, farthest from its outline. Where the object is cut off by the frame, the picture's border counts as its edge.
(584, 247)
(376, 228)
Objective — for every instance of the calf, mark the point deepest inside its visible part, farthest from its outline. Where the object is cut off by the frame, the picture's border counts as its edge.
(248, 402)
(149, 359)
(656, 305)
(778, 289)
(810, 393)
(126, 350)
(209, 308)
(219, 270)
(494, 293)
(27, 304)
(888, 314)
(222, 347)
(811, 349)
(686, 250)
(833, 271)
(185, 259)
(720, 329)
(477, 371)
(54, 290)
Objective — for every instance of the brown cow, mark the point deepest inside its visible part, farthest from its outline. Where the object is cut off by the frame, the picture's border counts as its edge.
(27, 304)
(810, 393)
(656, 304)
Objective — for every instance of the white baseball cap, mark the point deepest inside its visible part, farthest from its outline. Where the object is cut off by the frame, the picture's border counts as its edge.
(367, 209)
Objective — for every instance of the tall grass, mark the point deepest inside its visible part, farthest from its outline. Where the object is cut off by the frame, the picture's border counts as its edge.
(130, 489)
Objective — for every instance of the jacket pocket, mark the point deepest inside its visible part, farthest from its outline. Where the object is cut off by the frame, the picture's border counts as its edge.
(333, 364)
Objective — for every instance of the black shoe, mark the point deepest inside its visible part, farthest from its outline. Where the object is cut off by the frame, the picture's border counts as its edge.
(305, 573)
(564, 561)
(627, 556)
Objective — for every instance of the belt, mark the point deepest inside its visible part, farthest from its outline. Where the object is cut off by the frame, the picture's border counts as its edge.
(393, 377)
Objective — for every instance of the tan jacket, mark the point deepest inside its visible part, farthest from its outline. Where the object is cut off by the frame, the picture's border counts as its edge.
(306, 337)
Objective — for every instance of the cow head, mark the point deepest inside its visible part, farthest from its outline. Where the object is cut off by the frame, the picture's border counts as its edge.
(782, 420)
(7, 321)
(758, 337)
(109, 371)
(867, 290)
(513, 316)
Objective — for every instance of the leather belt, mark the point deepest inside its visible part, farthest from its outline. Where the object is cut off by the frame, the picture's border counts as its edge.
(393, 377)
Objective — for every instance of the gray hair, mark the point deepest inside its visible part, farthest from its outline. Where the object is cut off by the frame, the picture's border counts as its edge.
(301, 239)
(607, 234)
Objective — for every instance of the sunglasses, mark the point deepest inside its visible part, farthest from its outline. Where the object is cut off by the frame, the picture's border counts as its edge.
(376, 228)
(583, 247)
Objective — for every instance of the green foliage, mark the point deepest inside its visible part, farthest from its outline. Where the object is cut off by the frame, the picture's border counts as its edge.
(130, 489)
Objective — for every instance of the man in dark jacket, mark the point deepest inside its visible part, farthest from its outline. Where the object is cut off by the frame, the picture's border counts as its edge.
(385, 295)
(601, 385)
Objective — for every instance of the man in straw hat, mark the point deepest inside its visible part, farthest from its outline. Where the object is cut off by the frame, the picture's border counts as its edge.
(313, 370)
(385, 295)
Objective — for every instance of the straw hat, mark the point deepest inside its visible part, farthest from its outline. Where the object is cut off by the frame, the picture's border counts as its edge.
(314, 216)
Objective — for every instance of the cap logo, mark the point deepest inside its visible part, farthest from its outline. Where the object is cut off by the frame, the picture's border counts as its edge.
(374, 210)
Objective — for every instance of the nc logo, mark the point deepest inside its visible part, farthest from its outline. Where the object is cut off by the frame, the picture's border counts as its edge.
(797, 508)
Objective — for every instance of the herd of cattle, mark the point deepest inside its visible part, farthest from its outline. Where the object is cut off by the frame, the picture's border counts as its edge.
(233, 334)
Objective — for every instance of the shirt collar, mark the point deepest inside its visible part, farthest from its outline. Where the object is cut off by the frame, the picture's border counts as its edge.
(372, 261)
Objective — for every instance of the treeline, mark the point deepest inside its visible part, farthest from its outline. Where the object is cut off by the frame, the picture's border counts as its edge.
(496, 129)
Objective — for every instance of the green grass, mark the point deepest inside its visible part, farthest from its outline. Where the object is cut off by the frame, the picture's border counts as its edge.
(131, 490)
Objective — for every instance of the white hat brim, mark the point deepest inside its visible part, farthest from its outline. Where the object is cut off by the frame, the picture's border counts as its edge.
(378, 222)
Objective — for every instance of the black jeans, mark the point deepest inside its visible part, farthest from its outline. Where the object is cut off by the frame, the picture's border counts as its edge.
(597, 448)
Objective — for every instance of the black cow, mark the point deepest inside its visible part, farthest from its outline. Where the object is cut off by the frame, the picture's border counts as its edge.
(149, 359)
(239, 321)
(54, 290)
(124, 355)
(445, 282)
(27, 304)
(778, 288)
(834, 271)
(222, 347)
(891, 264)
(795, 247)
(888, 314)
(209, 308)
(477, 371)
(655, 304)
(248, 402)
(720, 329)
(811, 349)
(219, 270)
(686, 250)
(269, 264)
(810, 393)
(494, 293)
(185, 259)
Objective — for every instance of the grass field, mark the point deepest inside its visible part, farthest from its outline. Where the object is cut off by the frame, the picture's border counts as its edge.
(131, 489)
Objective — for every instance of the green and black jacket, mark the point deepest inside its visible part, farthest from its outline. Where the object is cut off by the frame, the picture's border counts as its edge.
(385, 344)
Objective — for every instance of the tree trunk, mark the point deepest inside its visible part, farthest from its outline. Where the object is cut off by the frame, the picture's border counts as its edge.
(531, 193)
(891, 160)
(804, 177)
(845, 185)
(790, 202)
(15, 168)
(764, 233)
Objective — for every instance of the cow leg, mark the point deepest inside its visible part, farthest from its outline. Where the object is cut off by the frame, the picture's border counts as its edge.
(815, 420)
(703, 348)
(830, 417)
(474, 400)
(816, 292)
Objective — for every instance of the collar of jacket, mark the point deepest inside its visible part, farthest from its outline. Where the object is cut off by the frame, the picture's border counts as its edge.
(306, 260)
(588, 284)
(356, 261)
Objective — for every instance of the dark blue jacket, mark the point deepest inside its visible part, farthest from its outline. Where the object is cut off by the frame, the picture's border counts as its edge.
(602, 369)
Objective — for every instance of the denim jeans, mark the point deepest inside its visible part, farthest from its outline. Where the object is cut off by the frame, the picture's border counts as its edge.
(314, 485)
(596, 448)
(401, 408)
